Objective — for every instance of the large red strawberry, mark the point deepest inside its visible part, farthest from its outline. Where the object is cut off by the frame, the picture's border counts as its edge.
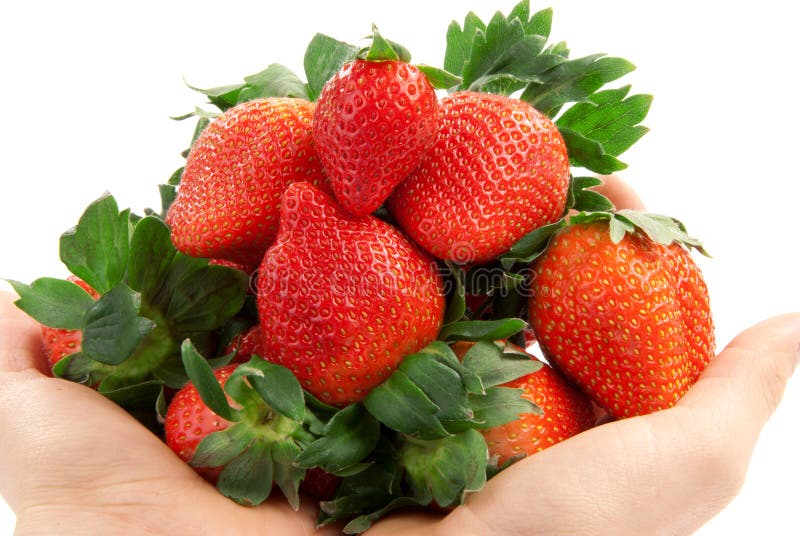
(629, 322)
(373, 122)
(228, 200)
(342, 299)
(498, 170)
(59, 343)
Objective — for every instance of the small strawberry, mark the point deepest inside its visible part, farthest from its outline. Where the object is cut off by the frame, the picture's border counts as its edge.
(59, 343)
(228, 200)
(566, 412)
(627, 319)
(189, 421)
(241, 427)
(342, 299)
(246, 345)
(498, 170)
(373, 122)
(319, 484)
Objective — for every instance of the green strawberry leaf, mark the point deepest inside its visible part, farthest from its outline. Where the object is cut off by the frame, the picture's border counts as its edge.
(346, 440)
(219, 448)
(459, 42)
(56, 303)
(80, 369)
(285, 474)
(580, 198)
(457, 305)
(441, 384)
(573, 81)
(442, 353)
(481, 330)
(363, 522)
(367, 491)
(383, 49)
(499, 406)
(113, 328)
(323, 58)
(530, 246)
(439, 78)
(140, 396)
(495, 367)
(202, 377)
(609, 118)
(661, 229)
(96, 250)
(206, 298)
(402, 406)
(277, 386)
(590, 154)
(446, 469)
(167, 193)
(274, 81)
(247, 479)
(223, 97)
(151, 255)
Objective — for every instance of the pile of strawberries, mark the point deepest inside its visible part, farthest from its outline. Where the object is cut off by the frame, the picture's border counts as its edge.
(337, 292)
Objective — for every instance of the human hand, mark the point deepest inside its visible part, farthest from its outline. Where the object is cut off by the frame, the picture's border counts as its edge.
(664, 473)
(71, 461)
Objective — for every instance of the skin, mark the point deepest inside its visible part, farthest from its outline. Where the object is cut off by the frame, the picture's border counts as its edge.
(70, 460)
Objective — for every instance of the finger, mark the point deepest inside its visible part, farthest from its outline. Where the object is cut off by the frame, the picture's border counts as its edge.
(20, 339)
(696, 454)
(743, 385)
(619, 193)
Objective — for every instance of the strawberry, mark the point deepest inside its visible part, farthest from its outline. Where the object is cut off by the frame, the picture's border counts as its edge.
(189, 420)
(342, 299)
(627, 319)
(240, 427)
(498, 170)
(319, 484)
(59, 343)
(373, 122)
(246, 345)
(566, 412)
(228, 200)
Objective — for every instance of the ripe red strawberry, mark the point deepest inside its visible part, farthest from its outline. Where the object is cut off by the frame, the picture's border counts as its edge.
(228, 200)
(498, 170)
(628, 322)
(189, 421)
(373, 122)
(59, 343)
(567, 412)
(319, 484)
(246, 345)
(342, 299)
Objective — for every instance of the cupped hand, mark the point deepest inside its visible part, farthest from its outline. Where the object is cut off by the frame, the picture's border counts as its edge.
(71, 461)
(664, 473)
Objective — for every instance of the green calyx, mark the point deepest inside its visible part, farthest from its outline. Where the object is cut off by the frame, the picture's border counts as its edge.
(267, 434)
(151, 298)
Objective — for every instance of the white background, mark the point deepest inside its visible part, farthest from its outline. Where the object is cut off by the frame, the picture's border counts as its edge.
(86, 91)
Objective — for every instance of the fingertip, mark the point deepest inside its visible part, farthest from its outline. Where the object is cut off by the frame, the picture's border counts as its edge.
(746, 380)
(20, 339)
(619, 192)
